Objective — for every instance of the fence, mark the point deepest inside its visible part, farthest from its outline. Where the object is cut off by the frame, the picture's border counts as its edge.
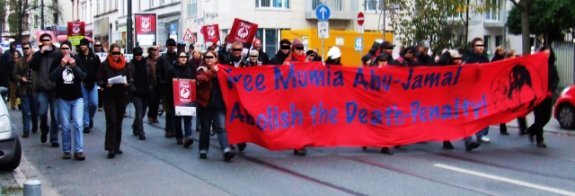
(565, 53)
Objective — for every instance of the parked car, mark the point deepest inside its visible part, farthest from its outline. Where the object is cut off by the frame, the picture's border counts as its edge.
(10, 149)
(565, 108)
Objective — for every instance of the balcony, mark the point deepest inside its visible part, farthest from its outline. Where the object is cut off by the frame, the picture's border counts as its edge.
(340, 9)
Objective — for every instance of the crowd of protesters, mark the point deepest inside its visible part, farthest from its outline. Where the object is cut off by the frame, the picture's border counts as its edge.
(69, 88)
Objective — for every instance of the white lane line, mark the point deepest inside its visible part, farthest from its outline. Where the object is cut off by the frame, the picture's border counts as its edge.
(504, 179)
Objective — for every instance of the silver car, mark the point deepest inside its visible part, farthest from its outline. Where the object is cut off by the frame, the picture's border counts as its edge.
(10, 149)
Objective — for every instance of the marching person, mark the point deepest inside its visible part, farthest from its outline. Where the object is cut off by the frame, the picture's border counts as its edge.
(262, 57)
(27, 91)
(211, 107)
(155, 95)
(115, 78)
(98, 48)
(41, 63)
(143, 83)
(90, 63)
(282, 54)
(167, 60)
(333, 56)
(477, 55)
(253, 59)
(181, 70)
(235, 57)
(9, 68)
(68, 79)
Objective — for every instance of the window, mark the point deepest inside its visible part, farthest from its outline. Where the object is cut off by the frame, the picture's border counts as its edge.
(498, 40)
(373, 5)
(270, 40)
(492, 13)
(272, 4)
(332, 4)
(192, 8)
(486, 43)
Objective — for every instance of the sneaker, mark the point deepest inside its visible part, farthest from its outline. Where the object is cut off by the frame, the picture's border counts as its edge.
(203, 154)
(119, 151)
(111, 154)
(471, 146)
(26, 134)
(188, 142)
(79, 156)
(66, 156)
(447, 145)
(86, 130)
(100, 109)
(387, 151)
(228, 155)
(485, 139)
(55, 145)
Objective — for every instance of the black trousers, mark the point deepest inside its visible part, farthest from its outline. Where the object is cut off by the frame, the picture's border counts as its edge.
(154, 104)
(542, 114)
(114, 108)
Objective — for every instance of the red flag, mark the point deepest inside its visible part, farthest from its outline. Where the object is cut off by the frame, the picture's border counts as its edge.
(211, 33)
(242, 31)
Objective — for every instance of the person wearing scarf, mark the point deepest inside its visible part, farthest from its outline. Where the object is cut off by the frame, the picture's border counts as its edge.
(115, 95)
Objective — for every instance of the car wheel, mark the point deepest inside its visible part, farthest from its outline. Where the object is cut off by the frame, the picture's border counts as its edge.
(15, 162)
(566, 116)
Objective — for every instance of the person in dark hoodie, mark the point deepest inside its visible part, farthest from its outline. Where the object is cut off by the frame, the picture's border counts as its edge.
(283, 53)
(423, 57)
(181, 70)
(211, 107)
(155, 95)
(90, 63)
(477, 55)
(409, 55)
(544, 109)
(68, 78)
(165, 63)
(142, 73)
(41, 62)
(115, 78)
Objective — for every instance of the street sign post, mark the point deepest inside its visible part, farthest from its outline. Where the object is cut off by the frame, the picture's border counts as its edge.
(322, 13)
(360, 20)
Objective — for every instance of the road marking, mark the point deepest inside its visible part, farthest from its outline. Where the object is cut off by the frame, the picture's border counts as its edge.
(504, 179)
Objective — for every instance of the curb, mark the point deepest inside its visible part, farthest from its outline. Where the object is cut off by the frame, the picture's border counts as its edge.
(27, 171)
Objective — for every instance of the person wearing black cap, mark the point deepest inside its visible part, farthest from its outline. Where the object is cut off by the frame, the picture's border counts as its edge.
(283, 53)
(423, 57)
(143, 87)
(408, 56)
(165, 63)
(90, 63)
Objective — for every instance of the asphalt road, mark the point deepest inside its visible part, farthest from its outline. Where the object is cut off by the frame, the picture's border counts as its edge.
(509, 165)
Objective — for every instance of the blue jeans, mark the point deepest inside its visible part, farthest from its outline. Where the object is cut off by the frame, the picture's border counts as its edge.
(482, 133)
(71, 110)
(218, 117)
(46, 99)
(90, 103)
(29, 111)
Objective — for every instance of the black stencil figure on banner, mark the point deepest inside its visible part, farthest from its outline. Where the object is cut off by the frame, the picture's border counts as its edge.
(514, 86)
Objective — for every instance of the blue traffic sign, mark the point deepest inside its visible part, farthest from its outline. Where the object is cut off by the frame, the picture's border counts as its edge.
(358, 44)
(322, 12)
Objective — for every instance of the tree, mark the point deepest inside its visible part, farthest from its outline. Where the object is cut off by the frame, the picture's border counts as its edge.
(551, 19)
(523, 7)
(18, 17)
(2, 16)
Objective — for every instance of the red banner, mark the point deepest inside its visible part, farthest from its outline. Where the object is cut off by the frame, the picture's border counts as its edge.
(211, 33)
(242, 31)
(184, 91)
(287, 107)
(145, 29)
(76, 28)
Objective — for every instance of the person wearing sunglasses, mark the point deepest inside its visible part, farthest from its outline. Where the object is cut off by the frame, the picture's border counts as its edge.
(211, 107)
(90, 63)
(235, 57)
(181, 70)
(282, 54)
(26, 89)
(41, 63)
(68, 78)
(298, 52)
(116, 80)
(478, 55)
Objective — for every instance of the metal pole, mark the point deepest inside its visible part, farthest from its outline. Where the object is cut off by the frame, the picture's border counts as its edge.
(129, 43)
(384, 17)
(41, 14)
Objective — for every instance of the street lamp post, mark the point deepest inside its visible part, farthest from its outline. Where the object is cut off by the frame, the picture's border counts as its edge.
(129, 28)
(41, 14)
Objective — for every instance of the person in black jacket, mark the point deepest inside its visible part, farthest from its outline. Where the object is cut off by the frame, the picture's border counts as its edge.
(41, 63)
(90, 63)
(477, 55)
(283, 53)
(68, 78)
(143, 83)
(543, 110)
(165, 63)
(115, 78)
(181, 70)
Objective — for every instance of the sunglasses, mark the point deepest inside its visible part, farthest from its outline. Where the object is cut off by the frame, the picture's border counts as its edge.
(116, 53)
(64, 48)
(299, 48)
(479, 45)
(208, 57)
(97, 45)
(285, 47)
(254, 56)
(237, 49)
(183, 57)
(26, 48)
(45, 40)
